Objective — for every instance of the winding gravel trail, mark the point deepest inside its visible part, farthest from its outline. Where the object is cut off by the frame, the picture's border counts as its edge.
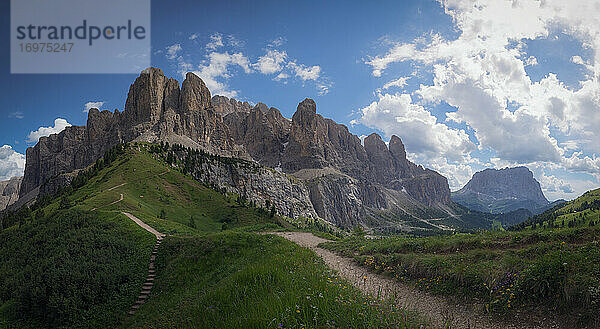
(441, 312)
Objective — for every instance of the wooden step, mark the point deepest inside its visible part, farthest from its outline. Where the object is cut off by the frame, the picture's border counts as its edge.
(142, 297)
(132, 312)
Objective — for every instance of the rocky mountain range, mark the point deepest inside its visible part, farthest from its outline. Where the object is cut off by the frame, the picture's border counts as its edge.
(502, 191)
(316, 167)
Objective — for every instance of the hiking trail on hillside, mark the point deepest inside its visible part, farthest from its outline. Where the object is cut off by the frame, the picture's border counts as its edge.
(147, 286)
(440, 311)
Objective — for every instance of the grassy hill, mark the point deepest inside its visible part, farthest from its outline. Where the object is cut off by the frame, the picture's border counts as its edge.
(583, 211)
(75, 261)
(549, 268)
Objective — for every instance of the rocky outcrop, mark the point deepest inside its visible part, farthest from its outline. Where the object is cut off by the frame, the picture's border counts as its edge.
(392, 169)
(316, 142)
(264, 132)
(9, 191)
(258, 184)
(502, 191)
(156, 109)
(225, 106)
(308, 166)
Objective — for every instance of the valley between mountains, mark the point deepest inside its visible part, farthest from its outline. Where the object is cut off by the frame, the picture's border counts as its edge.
(271, 222)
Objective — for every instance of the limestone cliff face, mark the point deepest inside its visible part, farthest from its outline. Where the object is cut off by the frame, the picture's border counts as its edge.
(502, 191)
(9, 191)
(156, 109)
(264, 133)
(257, 183)
(316, 142)
(225, 106)
(317, 167)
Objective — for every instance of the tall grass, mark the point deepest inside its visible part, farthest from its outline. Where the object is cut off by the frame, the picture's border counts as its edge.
(244, 280)
(553, 269)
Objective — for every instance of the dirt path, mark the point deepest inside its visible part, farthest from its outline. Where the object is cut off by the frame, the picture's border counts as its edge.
(145, 226)
(110, 204)
(441, 312)
(147, 286)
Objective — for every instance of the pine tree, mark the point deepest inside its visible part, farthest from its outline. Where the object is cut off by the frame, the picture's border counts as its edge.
(65, 203)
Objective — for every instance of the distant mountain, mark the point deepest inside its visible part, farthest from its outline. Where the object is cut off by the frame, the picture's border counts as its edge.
(502, 191)
(9, 191)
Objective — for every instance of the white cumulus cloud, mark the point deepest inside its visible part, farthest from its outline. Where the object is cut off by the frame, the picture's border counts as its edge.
(305, 72)
(396, 114)
(401, 82)
(481, 74)
(218, 70)
(271, 62)
(92, 105)
(59, 125)
(12, 163)
(173, 51)
(216, 41)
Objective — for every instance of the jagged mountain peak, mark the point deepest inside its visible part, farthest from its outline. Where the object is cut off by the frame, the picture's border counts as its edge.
(347, 182)
(194, 93)
(397, 147)
(374, 144)
(502, 190)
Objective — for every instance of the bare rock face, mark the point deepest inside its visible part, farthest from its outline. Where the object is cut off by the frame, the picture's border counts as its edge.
(56, 154)
(502, 191)
(382, 161)
(321, 169)
(338, 199)
(145, 99)
(263, 131)
(9, 191)
(194, 94)
(225, 106)
(156, 109)
(316, 142)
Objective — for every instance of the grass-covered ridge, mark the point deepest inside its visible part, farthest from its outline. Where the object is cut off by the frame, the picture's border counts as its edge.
(245, 280)
(583, 211)
(552, 269)
(73, 260)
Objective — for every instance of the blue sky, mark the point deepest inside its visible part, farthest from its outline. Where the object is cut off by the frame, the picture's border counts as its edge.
(461, 87)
